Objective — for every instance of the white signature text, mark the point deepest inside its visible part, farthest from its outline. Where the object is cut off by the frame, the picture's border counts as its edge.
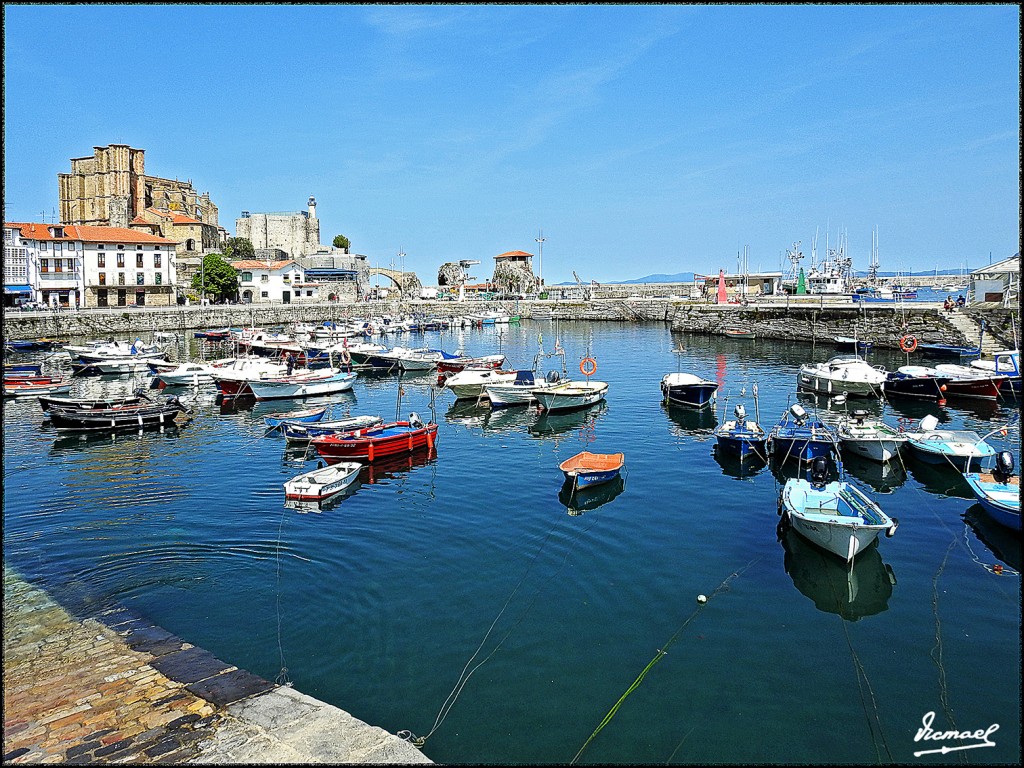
(925, 733)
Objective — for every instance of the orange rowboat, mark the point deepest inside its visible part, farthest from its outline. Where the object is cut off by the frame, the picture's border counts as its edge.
(586, 469)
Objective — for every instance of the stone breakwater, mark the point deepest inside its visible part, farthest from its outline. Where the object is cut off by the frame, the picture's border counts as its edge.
(116, 689)
(807, 319)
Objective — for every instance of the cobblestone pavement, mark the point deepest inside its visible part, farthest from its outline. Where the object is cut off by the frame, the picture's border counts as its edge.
(116, 689)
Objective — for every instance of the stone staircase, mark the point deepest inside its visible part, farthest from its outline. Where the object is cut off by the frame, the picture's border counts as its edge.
(971, 331)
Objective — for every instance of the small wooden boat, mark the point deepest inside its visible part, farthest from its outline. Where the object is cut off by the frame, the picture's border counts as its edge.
(462, 362)
(390, 439)
(323, 482)
(588, 469)
(324, 382)
(739, 333)
(137, 416)
(304, 432)
(998, 491)
(741, 436)
(32, 345)
(46, 402)
(30, 369)
(956, 448)
(846, 342)
(688, 389)
(570, 394)
(305, 416)
(871, 438)
(799, 436)
(834, 515)
(16, 388)
(947, 350)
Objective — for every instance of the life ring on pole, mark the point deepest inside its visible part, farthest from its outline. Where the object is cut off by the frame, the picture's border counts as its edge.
(346, 356)
(588, 366)
(908, 343)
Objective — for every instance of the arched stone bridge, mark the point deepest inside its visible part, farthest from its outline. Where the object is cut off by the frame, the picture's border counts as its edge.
(406, 282)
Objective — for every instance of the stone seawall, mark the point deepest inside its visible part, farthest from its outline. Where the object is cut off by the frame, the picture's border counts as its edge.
(806, 320)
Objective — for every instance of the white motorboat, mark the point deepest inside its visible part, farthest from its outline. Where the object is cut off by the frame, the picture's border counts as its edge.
(834, 515)
(842, 374)
(1005, 363)
(234, 379)
(114, 365)
(971, 381)
(470, 383)
(520, 390)
(323, 482)
(324, 381)
(116, 350)
(188, 374)
(567, 395)
(871, 438)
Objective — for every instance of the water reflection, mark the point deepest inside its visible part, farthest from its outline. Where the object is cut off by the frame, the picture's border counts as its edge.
(588, 499)
(469, 414)
(396, 466)
(884, 477)
(557, 423)
(852, 592)
(77, 442)
(694, 422)
(940, 480)
(303, 507)
(740, 468)
(1003, 543)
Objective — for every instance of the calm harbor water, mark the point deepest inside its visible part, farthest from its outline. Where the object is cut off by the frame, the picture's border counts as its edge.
(456, 596)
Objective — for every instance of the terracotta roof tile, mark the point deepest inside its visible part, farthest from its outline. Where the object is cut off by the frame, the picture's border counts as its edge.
(87, 234)
(257, 264)
(513, 254)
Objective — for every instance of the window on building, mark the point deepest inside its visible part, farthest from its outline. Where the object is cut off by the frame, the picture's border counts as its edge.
(122, 297)
(157, 261)
(100, 246)
(120, 259)
(156, 247)
(140, 278)
(140, 298)
(71, 246)
(101, 297)
(264, 278)
(103, 278)
(120, 278)
(309, 293)
(159, 278)
(138, 260)
(44, 265)
(101, 259)
(120, 247)
(69, 265)
(42, 246)
(247, 277)
(58, 265)
(264, 294)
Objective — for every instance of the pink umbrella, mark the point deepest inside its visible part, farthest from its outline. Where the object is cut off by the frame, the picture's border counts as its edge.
(721, 286)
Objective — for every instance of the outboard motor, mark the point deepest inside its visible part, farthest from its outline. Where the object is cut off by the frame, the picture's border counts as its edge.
(553, 377)
(798, 413)
(859, 416)
(741, 413)
(819, 471)
(1004, 464)
(415, 420)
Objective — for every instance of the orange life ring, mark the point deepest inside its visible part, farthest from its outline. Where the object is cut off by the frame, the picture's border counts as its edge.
(908, 343)
(346, 356)
(588, 366)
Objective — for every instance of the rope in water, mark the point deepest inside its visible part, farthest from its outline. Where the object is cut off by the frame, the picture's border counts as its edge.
(658, 657)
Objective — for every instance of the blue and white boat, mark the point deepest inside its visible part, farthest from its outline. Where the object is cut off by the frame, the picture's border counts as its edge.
(1006, 363)
(834, 515)
(588, 469)
(305, 416)
(998, 491)
(297, 432)
(801, 436)
(688, 389)
(742, 437)
(957, 448)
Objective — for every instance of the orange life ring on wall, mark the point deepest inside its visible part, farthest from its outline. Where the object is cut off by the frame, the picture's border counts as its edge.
(346, 356)
(908, 343)
(588, 366)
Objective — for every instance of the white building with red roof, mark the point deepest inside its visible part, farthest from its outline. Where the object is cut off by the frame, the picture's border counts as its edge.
(279, 282)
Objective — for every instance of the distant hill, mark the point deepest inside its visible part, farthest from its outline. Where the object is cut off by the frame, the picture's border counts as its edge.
(681, 277)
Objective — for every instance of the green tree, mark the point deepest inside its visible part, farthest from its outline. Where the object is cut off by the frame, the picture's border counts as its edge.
(340, 241)
(217, 278)
(239, 249)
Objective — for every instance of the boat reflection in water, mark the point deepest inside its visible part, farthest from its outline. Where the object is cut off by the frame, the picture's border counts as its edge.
(1003, 543)
(469, 414)
(699, 423)
(557, 423)
(589, 498)
(394, 467)
(884, 477)
(851, 591)
(940, 479)
(740, 468)
(72, 442)
(330, 502)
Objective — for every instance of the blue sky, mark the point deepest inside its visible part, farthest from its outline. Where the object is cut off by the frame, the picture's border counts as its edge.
(641, 139)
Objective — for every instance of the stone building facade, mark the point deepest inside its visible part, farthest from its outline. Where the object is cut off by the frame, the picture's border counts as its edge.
(297, 233)
(111, 189)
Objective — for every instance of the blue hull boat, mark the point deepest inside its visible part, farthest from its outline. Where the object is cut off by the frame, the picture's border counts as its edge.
(687, 389)
(798, 436)
(998, 491)
(742, 437)
(306, 416)
(586, 469)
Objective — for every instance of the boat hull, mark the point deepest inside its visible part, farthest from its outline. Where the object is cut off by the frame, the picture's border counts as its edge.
(571, 396)
(693, 395)
(322, 483)
(876, 450)
(279, 389)
(1001, 500)
(377, 442)
(111, 420)
(920, 387)
(837, 517)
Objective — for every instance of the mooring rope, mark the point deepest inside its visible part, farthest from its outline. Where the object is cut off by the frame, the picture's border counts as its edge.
(467, 672)
(282, 676)
(936, 651)
(658, 657)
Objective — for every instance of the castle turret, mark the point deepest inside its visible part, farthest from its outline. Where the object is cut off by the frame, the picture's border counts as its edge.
(312, 207)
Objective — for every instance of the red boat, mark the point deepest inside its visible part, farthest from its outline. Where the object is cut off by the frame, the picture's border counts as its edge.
(391, 439)
(456, 364)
